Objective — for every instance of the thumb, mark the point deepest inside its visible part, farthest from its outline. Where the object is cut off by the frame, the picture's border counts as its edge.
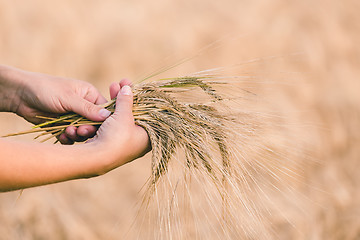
(90, 110)
(124, 102)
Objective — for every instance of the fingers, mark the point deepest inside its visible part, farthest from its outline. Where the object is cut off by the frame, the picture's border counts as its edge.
(90, 110)
(124, 102)
(114, 89)
(70, 132)
(86, 131)
(87, 109)
(63, 139)
(95, 112)
(124, 99)
(100, 100)
(77, 134)
(125, 82)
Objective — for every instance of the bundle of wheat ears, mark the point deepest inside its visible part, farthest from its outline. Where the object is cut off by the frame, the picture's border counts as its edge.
(191, 123)
(169, 123)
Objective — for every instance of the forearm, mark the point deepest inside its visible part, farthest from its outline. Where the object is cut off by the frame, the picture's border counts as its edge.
(40, 164)
(11, 86)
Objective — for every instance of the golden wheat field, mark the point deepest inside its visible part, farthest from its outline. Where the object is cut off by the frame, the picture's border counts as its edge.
(298, 64)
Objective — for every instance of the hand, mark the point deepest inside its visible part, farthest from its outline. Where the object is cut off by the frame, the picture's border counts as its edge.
(123, 140)
(35, 94)
(117, 142)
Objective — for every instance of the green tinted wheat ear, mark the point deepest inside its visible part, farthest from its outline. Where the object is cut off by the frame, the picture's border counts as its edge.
(171, 124)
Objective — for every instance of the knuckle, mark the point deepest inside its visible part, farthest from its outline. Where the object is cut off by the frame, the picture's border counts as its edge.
(88, 107)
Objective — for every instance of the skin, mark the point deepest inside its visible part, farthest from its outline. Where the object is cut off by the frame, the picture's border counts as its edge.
(30, 94)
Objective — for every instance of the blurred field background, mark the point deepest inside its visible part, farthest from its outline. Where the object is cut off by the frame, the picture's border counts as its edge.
(314, 84)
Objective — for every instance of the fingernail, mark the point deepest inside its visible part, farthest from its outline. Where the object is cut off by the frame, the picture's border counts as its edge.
(126, 90)
(104, 113)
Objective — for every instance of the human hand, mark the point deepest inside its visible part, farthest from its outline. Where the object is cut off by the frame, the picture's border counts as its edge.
(35, 94)
(118, 135)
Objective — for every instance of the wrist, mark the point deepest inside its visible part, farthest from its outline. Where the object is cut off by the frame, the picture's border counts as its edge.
(11, 88)
(102, 158)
